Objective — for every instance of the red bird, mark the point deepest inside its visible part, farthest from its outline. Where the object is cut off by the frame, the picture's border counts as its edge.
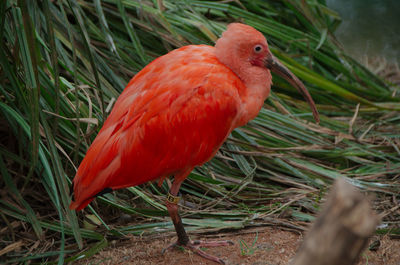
(176, 113)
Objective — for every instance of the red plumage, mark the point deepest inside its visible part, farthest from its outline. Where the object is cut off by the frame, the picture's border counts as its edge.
(172, 116)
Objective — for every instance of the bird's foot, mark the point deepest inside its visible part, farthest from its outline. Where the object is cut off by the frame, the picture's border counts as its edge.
(195, 246)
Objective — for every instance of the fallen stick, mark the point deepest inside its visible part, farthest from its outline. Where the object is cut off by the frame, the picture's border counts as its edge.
(341, 231)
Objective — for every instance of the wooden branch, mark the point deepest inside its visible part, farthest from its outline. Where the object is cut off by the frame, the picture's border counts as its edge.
(341, 231)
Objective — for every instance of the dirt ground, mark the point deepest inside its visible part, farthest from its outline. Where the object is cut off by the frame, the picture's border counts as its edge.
(272, 246)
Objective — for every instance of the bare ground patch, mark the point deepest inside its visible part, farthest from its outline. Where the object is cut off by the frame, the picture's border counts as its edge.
(272, 246)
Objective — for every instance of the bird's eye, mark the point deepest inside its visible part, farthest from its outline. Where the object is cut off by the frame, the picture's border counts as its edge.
(258, 48)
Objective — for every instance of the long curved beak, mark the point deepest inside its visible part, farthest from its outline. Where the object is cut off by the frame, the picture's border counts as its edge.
(273, 64)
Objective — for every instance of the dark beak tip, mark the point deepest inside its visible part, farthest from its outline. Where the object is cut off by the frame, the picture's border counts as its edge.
(317, 120)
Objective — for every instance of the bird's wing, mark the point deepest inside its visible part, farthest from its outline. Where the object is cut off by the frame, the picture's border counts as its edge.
(172, 116)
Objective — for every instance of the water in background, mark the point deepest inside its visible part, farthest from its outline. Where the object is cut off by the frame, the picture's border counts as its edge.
(369, 27)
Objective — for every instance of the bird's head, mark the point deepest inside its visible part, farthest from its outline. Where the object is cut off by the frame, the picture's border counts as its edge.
(245, 50)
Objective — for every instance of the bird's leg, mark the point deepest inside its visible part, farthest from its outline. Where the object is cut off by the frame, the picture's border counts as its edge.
(172, 206)
(183, 239)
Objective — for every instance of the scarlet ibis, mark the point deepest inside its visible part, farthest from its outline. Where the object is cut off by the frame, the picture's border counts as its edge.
(175, 114)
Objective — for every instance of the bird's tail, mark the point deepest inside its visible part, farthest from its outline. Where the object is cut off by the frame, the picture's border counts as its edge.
(76, 205)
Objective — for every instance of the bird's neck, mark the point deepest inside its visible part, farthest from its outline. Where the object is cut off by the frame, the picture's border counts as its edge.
(257, 88)
(256, 84)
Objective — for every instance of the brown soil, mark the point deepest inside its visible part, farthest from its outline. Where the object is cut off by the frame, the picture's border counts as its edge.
(272, 247)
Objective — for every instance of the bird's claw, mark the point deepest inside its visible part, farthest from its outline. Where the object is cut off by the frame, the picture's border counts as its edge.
(195, 246)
